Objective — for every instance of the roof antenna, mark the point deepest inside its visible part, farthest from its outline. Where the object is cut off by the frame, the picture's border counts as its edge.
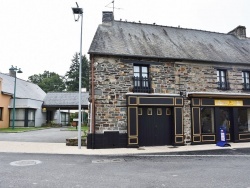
(113, 7)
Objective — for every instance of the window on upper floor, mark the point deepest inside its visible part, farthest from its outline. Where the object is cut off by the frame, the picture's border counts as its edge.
(141, 79)
(1, 113)
(222, 80)
(245, 80)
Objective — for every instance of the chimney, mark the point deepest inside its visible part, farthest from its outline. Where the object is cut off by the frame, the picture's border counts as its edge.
(107, 17)
(239, 32)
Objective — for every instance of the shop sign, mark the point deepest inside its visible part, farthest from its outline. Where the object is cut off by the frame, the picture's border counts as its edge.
(228, 102)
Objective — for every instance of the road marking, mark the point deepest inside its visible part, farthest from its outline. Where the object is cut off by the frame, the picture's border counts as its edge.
(25, 163)
(192, 155)
(117, 160)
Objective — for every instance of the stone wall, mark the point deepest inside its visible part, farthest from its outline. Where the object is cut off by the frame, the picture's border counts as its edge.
(163, 78)
(202, 77)
(113, 79)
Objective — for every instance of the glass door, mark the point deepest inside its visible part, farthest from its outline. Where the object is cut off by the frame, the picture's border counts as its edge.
(226, 120)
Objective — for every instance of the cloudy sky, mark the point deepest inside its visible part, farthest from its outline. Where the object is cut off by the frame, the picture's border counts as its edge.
(39, 35)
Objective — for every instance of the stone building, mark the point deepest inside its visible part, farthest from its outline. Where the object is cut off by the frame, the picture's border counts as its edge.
(159, 85)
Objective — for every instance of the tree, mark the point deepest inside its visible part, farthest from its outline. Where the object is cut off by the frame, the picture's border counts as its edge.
(72, 76)
(48, 81)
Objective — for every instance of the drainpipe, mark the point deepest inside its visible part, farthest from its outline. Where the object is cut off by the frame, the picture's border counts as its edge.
(93, 101)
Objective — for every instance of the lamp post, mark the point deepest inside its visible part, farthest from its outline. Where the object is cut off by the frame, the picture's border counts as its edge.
(16, 70)
(78, 12)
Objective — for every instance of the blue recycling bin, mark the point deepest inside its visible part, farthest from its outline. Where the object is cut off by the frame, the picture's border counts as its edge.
(222, 137)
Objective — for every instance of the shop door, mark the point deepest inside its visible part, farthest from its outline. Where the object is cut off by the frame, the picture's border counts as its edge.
(225, 119)
(154, 126)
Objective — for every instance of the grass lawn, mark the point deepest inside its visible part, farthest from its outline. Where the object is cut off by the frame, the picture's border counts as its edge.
(83, 128)
(20, 129)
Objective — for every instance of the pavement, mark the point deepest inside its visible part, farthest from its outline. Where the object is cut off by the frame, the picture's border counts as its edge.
(61, 148)
(53, 141)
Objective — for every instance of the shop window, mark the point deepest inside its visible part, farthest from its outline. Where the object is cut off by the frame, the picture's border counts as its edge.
(141, 79)
(1, 113)
(222, 80)
(244, 120)
(139, 111)
(168, 111)
(149, 111)
(159, 111)
(245, 80)
(207, 120)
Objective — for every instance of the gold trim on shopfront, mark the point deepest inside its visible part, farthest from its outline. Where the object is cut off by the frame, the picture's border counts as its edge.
(132, 138)
(221, 95)
(229, 102)
(129, 135)
(139, 111)
(193, 120)
(168, 111)
(203, 137)
(178, 137)
(138, 101)
(196, 104)
(159, 111)
(196, 136)
(205, 104)
(149, 111)
(181, 121)
(223, 102)
(136, 98)
(175, 100)
(244, 135)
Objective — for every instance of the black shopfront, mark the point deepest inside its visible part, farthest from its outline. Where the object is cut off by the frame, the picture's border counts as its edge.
(155, 120)
(210, 113)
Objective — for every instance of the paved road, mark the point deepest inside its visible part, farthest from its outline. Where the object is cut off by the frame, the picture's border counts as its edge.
(52, 135)
(63, 171)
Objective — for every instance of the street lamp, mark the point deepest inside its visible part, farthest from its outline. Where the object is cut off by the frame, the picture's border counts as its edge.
(78, 12)
(16, 70)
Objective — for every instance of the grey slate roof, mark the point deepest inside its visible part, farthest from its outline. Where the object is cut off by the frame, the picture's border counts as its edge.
(153, 41)
(24, 89)
(65, 100)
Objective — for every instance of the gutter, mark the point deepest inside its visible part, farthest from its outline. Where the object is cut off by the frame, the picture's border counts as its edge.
(6, 93)
(93, 101)
(159, 58)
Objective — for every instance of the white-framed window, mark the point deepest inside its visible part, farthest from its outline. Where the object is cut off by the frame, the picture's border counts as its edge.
(141, 79)
(245, 80)
(222, 79)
